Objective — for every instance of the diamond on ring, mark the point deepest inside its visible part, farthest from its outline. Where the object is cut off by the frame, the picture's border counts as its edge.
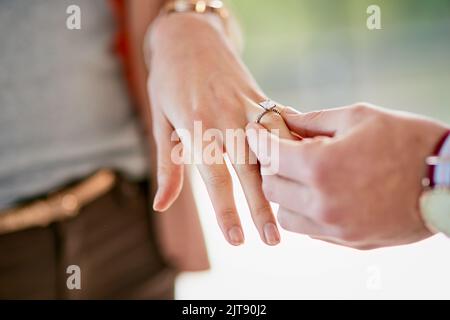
(268, 106)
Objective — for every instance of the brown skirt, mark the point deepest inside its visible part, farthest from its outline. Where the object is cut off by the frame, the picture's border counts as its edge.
(111, 241)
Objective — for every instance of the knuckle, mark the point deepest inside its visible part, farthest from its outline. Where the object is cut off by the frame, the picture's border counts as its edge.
(218, 181)
(227, 216)
(360, 107)
(359, 110)
(263, 211)
(247, 170)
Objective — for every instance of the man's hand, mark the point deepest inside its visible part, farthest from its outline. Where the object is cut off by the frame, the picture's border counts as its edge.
(355, 179)
(196, 75)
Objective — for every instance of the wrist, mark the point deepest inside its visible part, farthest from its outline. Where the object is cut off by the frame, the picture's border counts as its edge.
(178, 26)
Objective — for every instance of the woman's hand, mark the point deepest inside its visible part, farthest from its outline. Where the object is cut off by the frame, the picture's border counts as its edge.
(355, 179)
(197, 76)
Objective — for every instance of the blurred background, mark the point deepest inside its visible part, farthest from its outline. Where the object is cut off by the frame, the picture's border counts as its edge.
(315, 54)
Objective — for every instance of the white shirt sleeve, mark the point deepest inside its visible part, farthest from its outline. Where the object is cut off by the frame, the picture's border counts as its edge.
(442, 171)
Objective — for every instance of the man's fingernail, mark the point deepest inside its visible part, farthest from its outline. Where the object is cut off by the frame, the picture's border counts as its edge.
(271, 234)
(236, 236)
(290, 111)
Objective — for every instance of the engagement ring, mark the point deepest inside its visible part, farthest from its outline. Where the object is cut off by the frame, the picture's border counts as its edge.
(268, 106)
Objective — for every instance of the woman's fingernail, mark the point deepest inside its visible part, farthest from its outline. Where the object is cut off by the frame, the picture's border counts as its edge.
(236, 236)
(156, 201)
(271, 234)
(290, 111)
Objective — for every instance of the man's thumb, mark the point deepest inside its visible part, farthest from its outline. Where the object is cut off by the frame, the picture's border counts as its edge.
(312, 124)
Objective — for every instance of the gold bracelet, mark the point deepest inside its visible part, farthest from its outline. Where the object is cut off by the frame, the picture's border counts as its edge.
(198, 6)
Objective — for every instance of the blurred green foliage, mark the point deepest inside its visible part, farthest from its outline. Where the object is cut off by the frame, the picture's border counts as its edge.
(320, 52)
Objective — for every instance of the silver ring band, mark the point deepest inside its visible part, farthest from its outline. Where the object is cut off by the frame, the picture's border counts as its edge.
(258, 120)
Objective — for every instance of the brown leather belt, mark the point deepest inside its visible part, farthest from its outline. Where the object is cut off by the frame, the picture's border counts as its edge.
(58, 206)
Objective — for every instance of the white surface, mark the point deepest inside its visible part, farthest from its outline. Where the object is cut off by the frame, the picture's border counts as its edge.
(302, 268)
